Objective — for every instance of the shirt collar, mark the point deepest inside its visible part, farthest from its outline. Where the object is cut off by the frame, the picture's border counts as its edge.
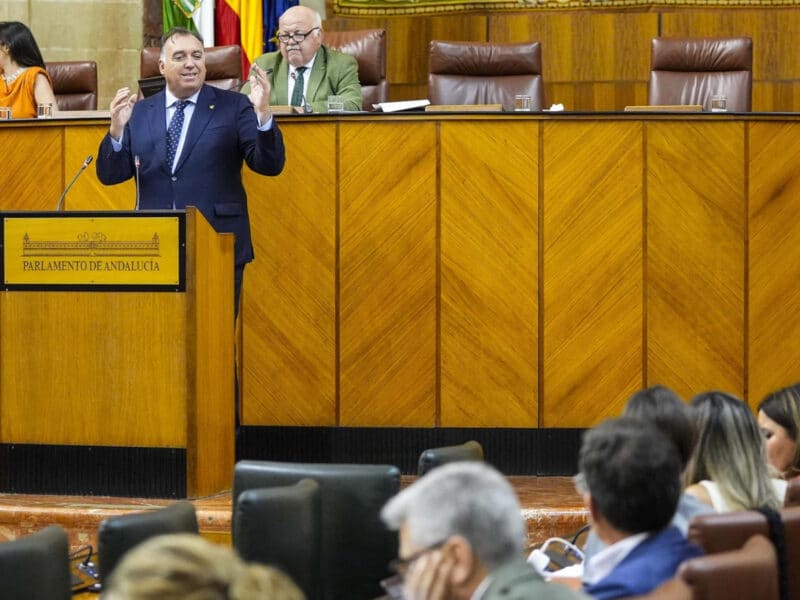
(309, 65)
(481, 589)
(605, 561)
(172, 99)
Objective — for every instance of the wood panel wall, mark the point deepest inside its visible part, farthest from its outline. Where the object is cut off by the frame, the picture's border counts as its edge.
(499, 271)
(597, 59)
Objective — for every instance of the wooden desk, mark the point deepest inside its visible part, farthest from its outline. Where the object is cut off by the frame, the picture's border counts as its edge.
(496, 270)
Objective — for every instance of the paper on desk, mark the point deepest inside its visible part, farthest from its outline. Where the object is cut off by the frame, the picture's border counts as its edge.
(401, 105)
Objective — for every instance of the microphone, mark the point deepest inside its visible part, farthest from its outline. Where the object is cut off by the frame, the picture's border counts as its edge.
(136, 164)
(86, 163)
(307, 108)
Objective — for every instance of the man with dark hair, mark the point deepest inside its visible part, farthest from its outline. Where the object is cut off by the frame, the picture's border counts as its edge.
(630, 478)
(186, 144)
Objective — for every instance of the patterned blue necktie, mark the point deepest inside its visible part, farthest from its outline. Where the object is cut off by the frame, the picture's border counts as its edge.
(174, 131)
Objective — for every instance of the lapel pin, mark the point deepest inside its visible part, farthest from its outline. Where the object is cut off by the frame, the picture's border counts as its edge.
(211, 106)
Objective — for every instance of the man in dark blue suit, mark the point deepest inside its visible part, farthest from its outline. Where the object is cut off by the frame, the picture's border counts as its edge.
(190, 141)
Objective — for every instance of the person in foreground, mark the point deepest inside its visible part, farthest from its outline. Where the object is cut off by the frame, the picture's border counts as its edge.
(187, 143)
(304, 71)
(462, 537)
(25, 80)
(630, 479)
(186, 566)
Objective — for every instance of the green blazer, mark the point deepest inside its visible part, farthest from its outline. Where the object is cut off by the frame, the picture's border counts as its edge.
(518, 580)
(334, 73)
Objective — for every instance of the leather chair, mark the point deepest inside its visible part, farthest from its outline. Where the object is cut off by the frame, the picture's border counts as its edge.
(435, 457)
(485, 73)
(223, 65)
(748, 573)
(355, 546)
(691, 70)
(74, 84)
(369, 48)
(280, 526)
(36, 567)
(728, 531)
(117, 535)
(792, 497)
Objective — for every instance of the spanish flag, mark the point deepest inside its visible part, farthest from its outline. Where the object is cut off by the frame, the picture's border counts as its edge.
(240, 22)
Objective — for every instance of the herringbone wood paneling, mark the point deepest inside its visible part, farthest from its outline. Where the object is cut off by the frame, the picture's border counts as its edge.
(88, 193)
(695, 255)
(388, 274)
(31, 176)
(289, 295)
(592, 272)
(489, 272)
(774, 258)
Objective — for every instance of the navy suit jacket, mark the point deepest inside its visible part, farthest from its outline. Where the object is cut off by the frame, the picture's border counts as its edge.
(222, 133)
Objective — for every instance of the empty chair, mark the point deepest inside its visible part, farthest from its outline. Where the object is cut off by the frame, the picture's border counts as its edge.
(728, 531)
(692, 70)
(74, 84)
(223, 65)
(748, 573)
(36, 567)
(117, 535)
(434, 457)
(485, 73)
(369, 48)
(279, 526)
(355, 546)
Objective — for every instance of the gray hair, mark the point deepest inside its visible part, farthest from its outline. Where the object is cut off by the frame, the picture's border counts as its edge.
(470, 499)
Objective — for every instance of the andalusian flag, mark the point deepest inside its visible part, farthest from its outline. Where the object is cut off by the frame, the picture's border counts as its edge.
(240, 22)
(195, 15)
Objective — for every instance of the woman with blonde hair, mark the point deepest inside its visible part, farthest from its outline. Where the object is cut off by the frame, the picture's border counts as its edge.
(729, 468)
(187, 567)
(779, 419)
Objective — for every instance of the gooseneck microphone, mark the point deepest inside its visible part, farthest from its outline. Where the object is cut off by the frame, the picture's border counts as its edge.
(86, 163)
(136, 164)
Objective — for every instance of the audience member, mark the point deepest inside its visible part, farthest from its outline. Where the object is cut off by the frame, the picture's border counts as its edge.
(630, 477)
(729, 468)
(187, 567)
(25, 81)
(663, 408)
(304, 71)
(462, 537)
(779, 419)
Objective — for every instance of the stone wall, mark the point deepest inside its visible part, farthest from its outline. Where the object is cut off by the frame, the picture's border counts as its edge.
(107, 31)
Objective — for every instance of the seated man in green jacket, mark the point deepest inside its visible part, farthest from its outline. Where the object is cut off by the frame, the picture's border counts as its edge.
(304, 72)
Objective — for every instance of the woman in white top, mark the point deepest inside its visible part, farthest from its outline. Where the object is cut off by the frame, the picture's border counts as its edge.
(728, 469)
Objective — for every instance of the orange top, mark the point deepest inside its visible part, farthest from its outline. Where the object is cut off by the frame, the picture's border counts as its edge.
(20, 94)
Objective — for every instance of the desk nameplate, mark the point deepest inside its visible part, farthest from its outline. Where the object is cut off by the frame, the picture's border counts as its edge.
(77, 250)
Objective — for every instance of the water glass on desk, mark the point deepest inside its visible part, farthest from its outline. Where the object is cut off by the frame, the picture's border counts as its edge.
(335, 104)
(5, 113)
(44, 111)
(719, 103)
(522, 103)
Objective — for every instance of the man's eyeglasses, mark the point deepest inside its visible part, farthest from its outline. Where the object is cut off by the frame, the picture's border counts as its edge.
(401, 565)
(297, 36)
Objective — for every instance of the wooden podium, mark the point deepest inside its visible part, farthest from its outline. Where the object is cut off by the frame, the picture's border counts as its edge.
(116, 354)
